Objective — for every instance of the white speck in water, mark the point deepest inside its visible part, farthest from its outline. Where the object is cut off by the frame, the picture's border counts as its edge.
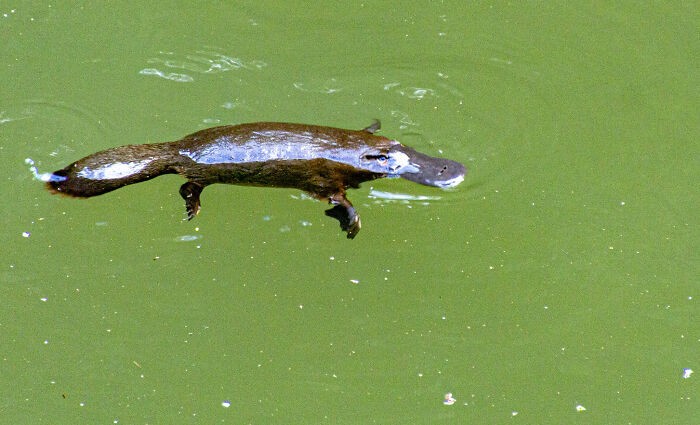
(46, 341)
(448, 400)
(44, 299)
(580, 408)
(514, 413)
(355, 281)
(305, 223)
(687, 372)
(26, 234)
(226, 403)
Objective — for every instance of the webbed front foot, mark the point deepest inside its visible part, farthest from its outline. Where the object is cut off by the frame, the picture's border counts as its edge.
(345, 213)
(190, 192)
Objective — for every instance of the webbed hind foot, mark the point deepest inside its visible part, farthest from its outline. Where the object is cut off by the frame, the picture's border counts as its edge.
(345, 213)
(349, 221)
(190, 192)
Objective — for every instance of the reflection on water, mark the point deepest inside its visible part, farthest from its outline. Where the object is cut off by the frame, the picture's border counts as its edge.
(391, 196)
(404, 119)
(418, 93)
(199, 62)
(327, 86)
(172, 76)
(188, 238)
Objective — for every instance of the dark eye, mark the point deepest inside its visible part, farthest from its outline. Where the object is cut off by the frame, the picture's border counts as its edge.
(381, 158)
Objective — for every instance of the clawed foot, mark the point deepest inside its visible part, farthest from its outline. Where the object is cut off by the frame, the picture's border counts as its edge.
(190, 192)
(345, 213)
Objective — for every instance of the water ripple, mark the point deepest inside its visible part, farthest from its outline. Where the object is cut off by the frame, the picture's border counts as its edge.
(328, 86)
(172, 76)
(417, 93)
(394, 196)
(199, 62)
(4, 119)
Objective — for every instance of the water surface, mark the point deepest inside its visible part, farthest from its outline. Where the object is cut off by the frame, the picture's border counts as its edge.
(557, 284)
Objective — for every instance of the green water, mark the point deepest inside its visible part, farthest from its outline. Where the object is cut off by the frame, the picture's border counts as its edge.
(562, 275)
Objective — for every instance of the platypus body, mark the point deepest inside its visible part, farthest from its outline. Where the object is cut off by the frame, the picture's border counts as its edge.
(322, 161)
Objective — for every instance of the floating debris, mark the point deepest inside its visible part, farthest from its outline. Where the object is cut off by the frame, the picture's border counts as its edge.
(580, 408)
(687, 372)
(449, 400)
(226, 403)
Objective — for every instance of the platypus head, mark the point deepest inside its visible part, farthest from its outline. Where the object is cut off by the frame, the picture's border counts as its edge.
(401, 161)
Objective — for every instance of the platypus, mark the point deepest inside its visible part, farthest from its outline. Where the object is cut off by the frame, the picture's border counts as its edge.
(322, 161)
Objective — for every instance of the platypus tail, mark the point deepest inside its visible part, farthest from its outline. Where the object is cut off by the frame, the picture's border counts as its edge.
(111, 169)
